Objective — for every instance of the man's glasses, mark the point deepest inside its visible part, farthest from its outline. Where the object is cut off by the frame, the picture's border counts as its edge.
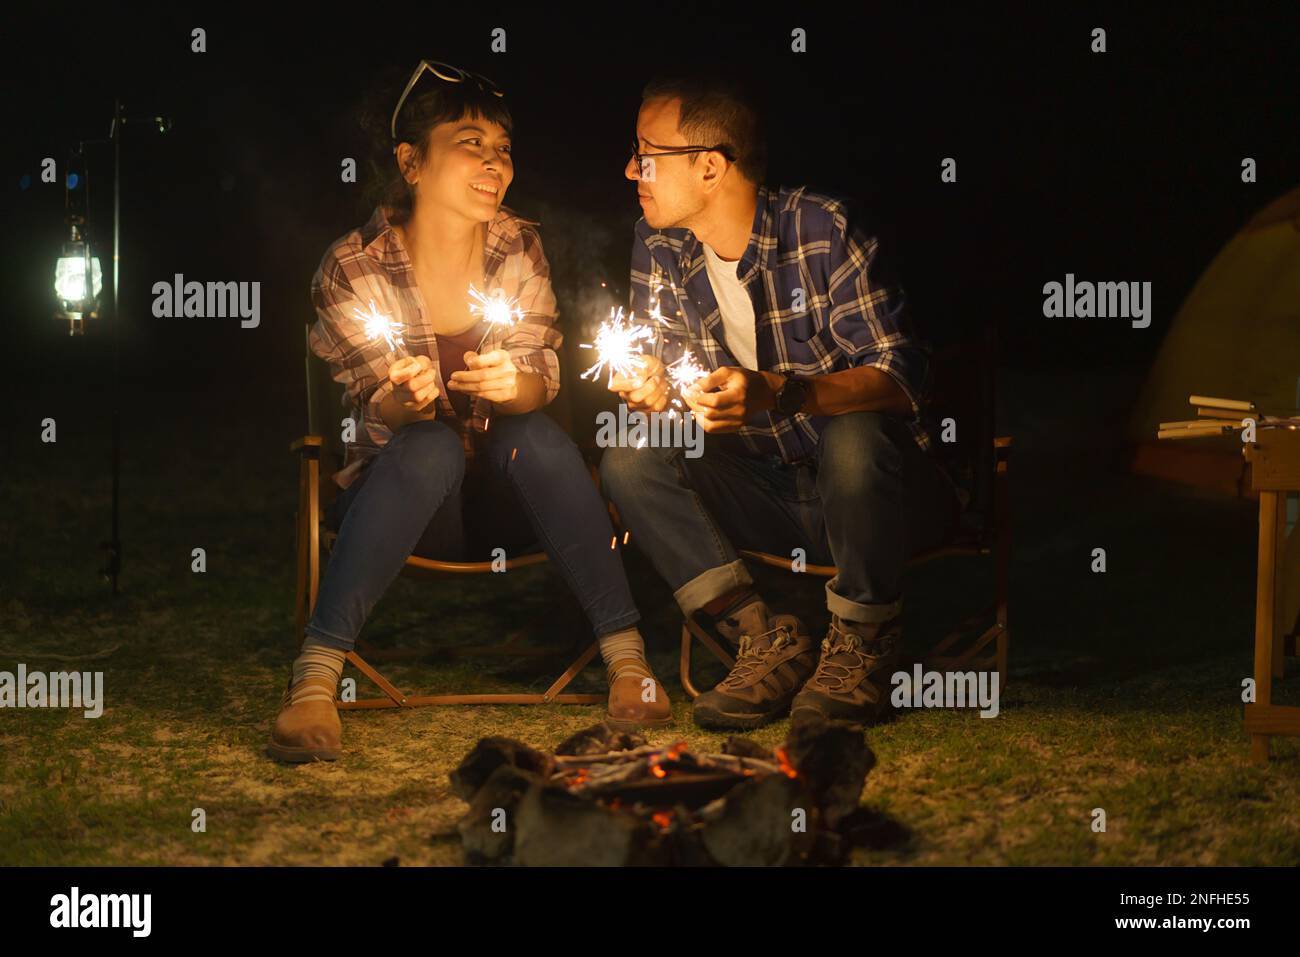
(443, 71)
(640, 158)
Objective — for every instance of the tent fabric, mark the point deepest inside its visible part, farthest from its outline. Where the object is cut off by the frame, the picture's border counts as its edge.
(1237, 335)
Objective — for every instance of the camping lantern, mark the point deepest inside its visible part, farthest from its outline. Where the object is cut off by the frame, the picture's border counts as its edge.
(78, 281)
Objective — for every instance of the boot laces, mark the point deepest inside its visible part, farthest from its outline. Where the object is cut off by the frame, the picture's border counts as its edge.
(854, 658)
(751, 656)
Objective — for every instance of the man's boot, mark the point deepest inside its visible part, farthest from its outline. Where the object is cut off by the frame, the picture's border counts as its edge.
(852, 680)
(770, 667)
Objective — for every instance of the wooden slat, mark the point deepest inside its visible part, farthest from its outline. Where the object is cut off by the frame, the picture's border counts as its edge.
(1267, 719)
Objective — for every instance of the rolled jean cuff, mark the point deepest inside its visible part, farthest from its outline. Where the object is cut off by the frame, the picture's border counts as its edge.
(714, 583)
(342, 644)
(837, 604)
(621, 623)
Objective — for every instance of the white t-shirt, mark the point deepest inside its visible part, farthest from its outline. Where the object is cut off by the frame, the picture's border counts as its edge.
(737, 309)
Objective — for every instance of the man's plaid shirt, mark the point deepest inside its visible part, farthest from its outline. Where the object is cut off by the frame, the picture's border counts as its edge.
(803, 252)
(371, 264)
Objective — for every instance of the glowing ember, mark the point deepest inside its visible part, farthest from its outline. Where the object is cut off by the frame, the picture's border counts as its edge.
(377, 325)
(663, 818)
(783, 760)
(618, 345)
(497, 309)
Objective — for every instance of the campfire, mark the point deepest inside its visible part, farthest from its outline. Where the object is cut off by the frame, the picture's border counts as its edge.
(607, 798)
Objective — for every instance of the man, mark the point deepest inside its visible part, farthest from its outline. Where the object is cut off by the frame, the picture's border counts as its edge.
(813, 409)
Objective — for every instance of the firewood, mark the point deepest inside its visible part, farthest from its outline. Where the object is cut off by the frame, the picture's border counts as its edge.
(605, 757)
(746, 748)
(834, 759)
(488, 755)
(495, 804)
(765, 823)
(598, 739)
(559, 829)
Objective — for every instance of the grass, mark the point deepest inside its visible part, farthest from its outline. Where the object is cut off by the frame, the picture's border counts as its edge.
(1124, 691)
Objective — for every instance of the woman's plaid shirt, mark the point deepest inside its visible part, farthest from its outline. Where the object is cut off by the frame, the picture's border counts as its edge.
(823, 301)
(371, 263)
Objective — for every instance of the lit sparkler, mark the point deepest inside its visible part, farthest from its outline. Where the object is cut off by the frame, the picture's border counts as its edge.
(686, 371)
(377, 326)
(618, 345)
(497, 309)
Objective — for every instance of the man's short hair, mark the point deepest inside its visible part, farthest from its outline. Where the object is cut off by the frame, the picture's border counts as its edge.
(717, 111)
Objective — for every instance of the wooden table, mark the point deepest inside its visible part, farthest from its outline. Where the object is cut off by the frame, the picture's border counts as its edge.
(1275, 471)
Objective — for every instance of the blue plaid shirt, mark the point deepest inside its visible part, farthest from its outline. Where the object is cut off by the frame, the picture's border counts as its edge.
(823, 302)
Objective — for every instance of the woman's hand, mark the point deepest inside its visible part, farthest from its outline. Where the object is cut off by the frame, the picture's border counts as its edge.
(491, 375)
(414, 384)
(646, 390)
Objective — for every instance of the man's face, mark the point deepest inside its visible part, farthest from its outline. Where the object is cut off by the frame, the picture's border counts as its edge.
(669, 188)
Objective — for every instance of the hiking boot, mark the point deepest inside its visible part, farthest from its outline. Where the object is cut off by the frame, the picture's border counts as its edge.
(770, 667)
(309, 730)
(627, 709)
(852, 681)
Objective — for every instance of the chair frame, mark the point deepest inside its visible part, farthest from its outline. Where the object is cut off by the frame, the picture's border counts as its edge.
(311, 537)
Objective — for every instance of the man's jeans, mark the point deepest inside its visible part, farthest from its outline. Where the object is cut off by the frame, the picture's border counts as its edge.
(871, 500)
(415, 497)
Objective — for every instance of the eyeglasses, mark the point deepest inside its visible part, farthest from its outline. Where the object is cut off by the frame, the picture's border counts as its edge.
(640, 157)
(443, 71)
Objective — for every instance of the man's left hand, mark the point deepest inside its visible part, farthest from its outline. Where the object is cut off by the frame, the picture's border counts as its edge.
(726, 398)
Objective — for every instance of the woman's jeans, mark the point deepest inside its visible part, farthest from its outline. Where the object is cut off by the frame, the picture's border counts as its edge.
(532, 487)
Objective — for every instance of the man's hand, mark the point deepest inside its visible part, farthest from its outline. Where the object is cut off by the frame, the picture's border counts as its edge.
(740, 393)
(491, 375)
(414, 384)
(646, 390)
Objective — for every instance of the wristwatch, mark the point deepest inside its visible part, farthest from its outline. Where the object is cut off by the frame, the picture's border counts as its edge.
(790, 398)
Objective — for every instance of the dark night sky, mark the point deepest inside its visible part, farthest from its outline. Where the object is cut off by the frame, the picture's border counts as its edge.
(1122, 166)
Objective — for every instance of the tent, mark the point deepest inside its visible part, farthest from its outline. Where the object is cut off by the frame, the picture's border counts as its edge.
(1237, 336)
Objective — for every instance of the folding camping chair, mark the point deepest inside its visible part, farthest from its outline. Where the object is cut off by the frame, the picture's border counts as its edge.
(985, 528)
(320, 455)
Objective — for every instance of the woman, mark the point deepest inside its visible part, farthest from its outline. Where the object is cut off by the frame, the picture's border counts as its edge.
(453, 454)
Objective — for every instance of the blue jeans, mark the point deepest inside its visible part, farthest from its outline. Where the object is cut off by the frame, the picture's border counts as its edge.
(870, 500)
(532, 486)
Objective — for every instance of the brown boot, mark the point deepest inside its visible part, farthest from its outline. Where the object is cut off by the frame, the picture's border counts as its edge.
(769, 669)
(628, 711)
(309, 730)
(853, 677)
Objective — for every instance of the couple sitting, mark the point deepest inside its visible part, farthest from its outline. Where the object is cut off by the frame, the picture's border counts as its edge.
(813, 409)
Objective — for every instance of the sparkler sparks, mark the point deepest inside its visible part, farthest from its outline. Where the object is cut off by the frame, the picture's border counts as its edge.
(377, 325)
(686, 371)
(618, 345)
(496, 308)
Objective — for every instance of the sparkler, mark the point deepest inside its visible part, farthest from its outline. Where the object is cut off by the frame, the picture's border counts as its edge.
(497, 309)
(377, 325)
(686, 371)
(618, 345)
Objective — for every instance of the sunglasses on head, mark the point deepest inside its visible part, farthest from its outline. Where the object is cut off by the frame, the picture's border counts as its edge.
(445, 72)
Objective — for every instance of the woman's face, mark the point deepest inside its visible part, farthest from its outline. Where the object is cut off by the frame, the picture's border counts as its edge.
(467, 167)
